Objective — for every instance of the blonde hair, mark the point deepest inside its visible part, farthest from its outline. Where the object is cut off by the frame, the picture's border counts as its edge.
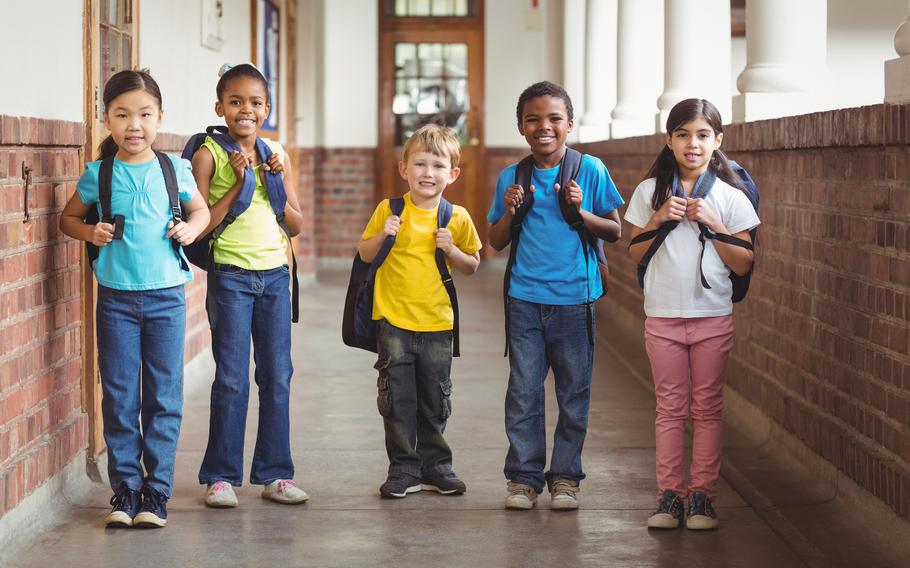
(435, 139)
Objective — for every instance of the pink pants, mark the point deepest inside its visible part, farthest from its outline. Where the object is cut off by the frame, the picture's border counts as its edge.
(676, 347)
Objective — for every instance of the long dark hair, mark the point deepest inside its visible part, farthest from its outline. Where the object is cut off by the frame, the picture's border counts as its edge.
(124, 82)
(665, 167)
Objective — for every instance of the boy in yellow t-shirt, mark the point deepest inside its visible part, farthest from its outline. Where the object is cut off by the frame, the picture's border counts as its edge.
(414, 335)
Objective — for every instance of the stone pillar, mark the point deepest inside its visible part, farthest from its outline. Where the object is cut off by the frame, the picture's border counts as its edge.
(639, 67)
(897, 71)
(600, 69)
(573, 38)
(697, 54)
(786, 67)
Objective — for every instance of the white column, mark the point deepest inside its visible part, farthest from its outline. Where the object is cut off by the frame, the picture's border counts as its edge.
(696, 55)
(639, 67)
(786, 59)
(897, 71)
(600, 69)
(573, 38)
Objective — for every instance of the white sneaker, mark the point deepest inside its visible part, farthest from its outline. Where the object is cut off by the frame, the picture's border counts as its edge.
(284, 491)
(220, 495)
(521, 496)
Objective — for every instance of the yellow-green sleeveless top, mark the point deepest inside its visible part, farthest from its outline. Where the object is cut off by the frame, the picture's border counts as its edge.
(254, 241)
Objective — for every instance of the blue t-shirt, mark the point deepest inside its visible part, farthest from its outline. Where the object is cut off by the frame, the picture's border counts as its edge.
(144, 259)
(550, 263)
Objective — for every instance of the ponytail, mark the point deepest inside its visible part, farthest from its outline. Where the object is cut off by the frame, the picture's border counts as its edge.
(107, 148)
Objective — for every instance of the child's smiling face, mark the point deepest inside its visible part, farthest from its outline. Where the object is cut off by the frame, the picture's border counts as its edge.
(693, 144)
(244, 105)
(427, 175)
(545, 124)
(134, 118)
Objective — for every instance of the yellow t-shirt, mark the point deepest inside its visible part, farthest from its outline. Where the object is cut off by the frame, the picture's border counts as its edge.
(254, 241)
(409, 291)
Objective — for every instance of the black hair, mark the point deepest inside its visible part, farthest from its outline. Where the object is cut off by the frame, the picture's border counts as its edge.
(242, 70)
(665, 167)
(544, 89)
(124, 82)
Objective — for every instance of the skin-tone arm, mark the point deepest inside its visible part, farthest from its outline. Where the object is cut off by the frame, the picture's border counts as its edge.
(186, 232)
(461, 261)
(608, 227)
(501, 231)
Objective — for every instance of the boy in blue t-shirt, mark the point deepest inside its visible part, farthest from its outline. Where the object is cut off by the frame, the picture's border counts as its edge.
(550, 300)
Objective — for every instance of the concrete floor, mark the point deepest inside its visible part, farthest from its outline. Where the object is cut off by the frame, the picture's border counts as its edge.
(338, 447)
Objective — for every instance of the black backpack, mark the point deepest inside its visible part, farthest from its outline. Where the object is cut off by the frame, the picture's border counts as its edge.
(358, 328)
(740, 283)
(202, 251)
(105, 175)
(568, 170)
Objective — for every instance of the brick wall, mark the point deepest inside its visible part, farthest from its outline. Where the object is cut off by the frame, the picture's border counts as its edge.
(42, 425)
(345, 196)
(822, 340)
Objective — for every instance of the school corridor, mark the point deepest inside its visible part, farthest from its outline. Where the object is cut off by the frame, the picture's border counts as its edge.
(785, 520)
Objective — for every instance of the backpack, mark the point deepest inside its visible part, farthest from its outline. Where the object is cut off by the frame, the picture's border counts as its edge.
(202, 251)
(568, 170)
(105, 176)
(740, 283)
(358, 328)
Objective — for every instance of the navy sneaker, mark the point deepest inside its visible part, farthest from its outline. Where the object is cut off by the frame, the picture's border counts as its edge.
(126, 504)
(700, 515)
(669, 513)
(398, 486)
(444, 483)
(153, 511)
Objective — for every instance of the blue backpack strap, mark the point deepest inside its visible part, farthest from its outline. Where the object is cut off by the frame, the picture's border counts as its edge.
(173, 195)
(443, 216)
(523, 172)
(396, 204)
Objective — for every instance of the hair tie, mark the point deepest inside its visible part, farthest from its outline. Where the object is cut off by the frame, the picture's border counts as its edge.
(228, 66)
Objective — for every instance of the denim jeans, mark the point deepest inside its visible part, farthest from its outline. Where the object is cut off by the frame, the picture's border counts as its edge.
(140, 358)
(414, 398)
(544, 336)
(250, 303)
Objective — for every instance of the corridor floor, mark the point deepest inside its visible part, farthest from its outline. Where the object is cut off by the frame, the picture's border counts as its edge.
(338, 447)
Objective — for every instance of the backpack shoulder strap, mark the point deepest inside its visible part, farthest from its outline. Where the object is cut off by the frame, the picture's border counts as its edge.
(523, 172)
(443, 216)
(568, 170)
(105, 176)
(173, 195)
(396, 204)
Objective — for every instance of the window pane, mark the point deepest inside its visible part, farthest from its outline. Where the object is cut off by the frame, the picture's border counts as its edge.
(405, 60)
(419, 8)
(456, 55)
(461, 7)
(432, 8)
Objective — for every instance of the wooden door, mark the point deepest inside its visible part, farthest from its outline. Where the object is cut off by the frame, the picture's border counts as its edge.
(111, 31)
(431, 70)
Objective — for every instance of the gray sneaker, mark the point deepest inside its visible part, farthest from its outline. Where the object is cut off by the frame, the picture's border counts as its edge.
(564, 495)
(521, 496)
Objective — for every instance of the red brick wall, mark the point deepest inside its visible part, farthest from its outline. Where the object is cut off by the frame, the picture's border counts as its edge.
(42, 425)
(345, 187)
(822, 339)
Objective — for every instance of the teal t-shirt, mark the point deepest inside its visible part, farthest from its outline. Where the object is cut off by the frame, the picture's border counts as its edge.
(550, 264)
(144, 258)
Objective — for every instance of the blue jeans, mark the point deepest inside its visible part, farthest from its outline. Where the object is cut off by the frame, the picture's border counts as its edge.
(250, 303)
(544, 336)
(140, 357)
(414, 398)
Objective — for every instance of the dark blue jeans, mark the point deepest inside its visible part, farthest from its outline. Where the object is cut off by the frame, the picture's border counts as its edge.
(140, 358)
(414, 398)
(544, 336)
(250, 303)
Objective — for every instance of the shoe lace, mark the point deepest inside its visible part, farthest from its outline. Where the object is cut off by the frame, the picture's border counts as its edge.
(520, 489)
(667, 502)
(284, 484)
(698, 504)
(121, 498)
(219, 486)
(565, 487)
(152, 499)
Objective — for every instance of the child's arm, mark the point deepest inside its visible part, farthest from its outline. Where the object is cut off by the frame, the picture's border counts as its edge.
(673, 209)
(370, 247)
(501, 231)
(461, 261)
(72, 224)
(203, 169)
(292, 215)
(188, 231)
(608, 227)
(737, 259)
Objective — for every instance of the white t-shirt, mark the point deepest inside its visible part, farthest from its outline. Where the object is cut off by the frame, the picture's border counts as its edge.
(672, 283)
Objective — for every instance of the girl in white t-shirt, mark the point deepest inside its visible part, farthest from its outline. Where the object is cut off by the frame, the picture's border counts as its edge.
(688, 301)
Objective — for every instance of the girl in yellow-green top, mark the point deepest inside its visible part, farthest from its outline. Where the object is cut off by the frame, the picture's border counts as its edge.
(251, 298)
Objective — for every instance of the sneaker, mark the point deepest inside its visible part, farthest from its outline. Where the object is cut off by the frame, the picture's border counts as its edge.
(153, 511)
(220, 495)
(564, 495)
(444, 483)
(521, 496)
(669, 513)
(398, 486)
(284, 491)
(126, 505)
(700, 515)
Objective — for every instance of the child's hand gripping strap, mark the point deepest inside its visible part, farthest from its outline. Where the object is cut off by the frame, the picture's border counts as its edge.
(173, 195)
(443, 216)
(523, 172)
(363, 322)
(105, 177)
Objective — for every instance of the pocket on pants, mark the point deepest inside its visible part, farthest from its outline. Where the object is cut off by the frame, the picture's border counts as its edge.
(445, 408)
(384, 393)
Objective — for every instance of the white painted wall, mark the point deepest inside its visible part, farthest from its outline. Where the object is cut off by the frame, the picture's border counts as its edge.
(170, 46)
(860, 39)
(42, 71)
